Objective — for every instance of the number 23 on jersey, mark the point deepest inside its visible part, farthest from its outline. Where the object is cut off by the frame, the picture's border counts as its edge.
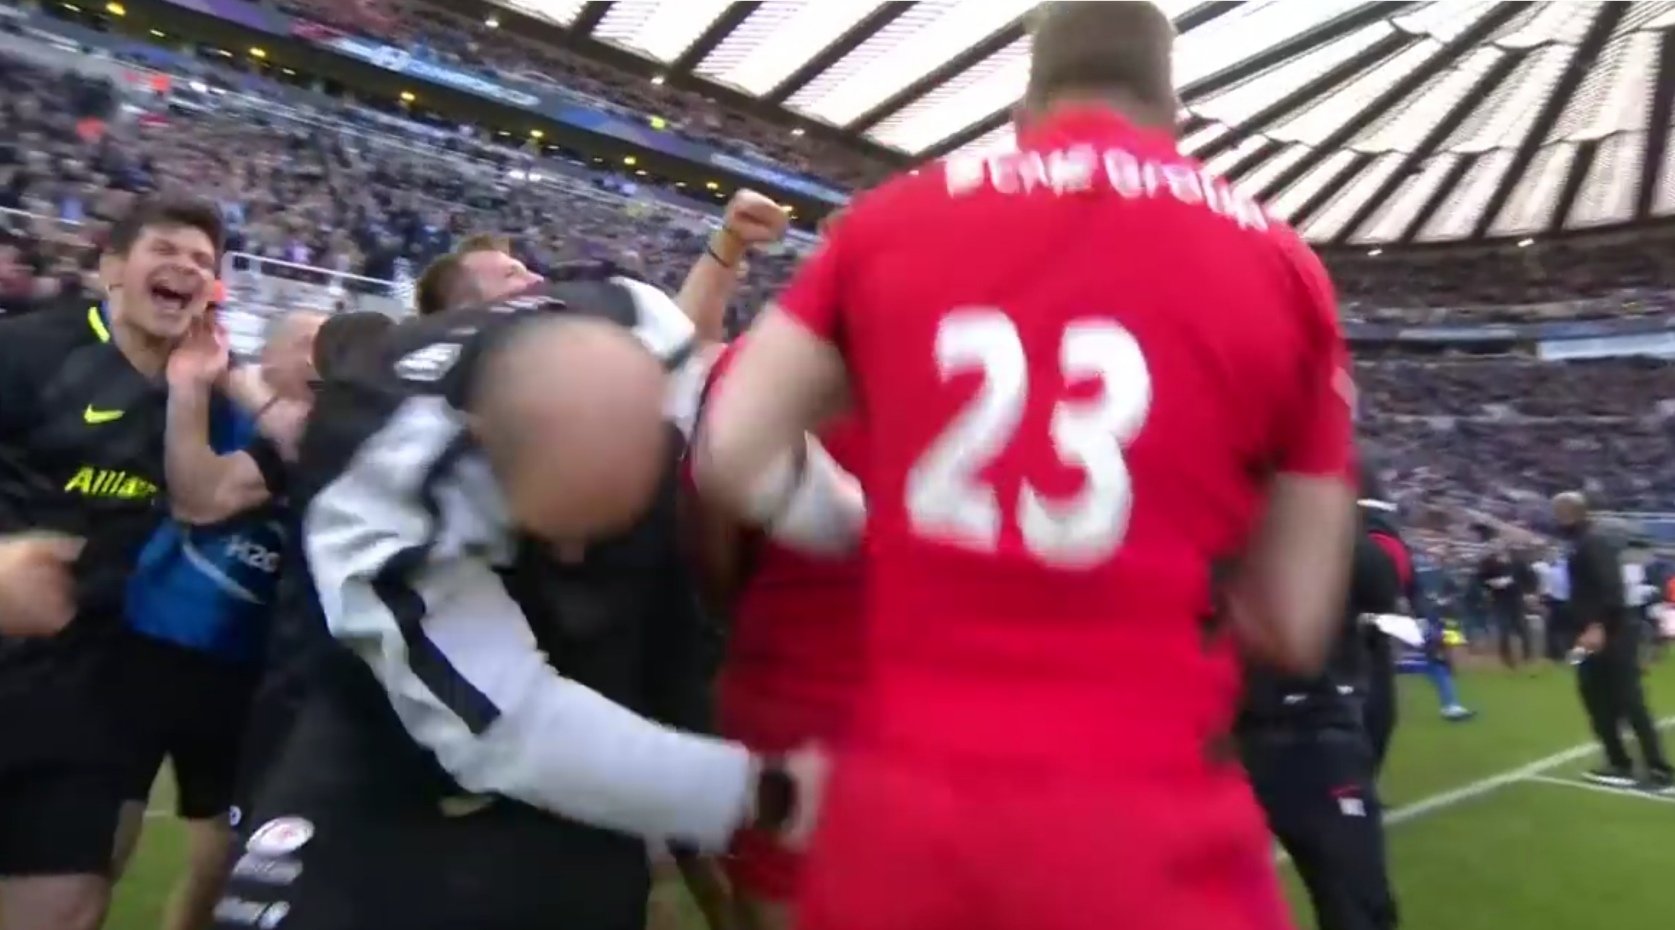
(945, 499)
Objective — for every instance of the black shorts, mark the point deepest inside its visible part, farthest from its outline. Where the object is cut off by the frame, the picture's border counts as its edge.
(61, 764)
(503, 867)
(189, 708)
(273, 715)
(58, 819)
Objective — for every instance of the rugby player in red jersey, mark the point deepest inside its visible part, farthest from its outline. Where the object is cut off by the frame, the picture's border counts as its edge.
(793, 653)
(1092, 378)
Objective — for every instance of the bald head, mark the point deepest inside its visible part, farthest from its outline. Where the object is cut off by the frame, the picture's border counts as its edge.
(1115, 53)
(288, 353)
(570, 413)
(1570, 508)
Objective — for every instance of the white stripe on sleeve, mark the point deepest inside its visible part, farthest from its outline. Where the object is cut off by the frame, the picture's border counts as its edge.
(402, 549)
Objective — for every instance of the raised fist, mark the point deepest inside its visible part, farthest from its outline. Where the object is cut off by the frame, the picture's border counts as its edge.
(755, 219)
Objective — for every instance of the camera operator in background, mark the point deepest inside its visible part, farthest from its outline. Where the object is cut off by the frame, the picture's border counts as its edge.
(1313, 746)
(1505, 579)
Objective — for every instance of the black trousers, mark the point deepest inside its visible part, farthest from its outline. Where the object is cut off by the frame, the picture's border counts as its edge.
(1510, 624)
(1559, 635)
(1613, 695)
(1318, 790)
(1378, 708)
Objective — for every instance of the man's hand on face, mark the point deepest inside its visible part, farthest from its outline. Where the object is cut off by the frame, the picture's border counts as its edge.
(202, 356)
(37, 590)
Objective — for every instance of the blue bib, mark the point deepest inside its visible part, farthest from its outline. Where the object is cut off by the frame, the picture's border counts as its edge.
(211, 588)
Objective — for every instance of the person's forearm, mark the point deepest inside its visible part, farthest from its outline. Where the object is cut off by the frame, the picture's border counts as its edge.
(192, 468)
(276, 418)
(710, 285)
(1287, 593)
(247, 389)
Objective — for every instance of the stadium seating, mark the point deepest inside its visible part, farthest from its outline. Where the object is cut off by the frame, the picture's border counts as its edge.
(331, 211)
(429, 29)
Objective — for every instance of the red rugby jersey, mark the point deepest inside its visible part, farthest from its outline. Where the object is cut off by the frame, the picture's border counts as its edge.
(1078, 364)
(794, 654)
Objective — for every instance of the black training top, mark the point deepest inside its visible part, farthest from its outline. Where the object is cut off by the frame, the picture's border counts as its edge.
(81, 452)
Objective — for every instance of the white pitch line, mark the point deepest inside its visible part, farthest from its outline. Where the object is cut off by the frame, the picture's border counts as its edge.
(1601, 789)
(1533, 771)
(1493, 783)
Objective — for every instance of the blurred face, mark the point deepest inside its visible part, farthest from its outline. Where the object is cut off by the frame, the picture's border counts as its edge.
(495, 275)
(1566, 514)
(163, 283)
(288, 356)
(572, 420)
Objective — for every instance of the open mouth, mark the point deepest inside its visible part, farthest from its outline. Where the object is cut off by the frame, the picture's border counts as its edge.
(171, 299)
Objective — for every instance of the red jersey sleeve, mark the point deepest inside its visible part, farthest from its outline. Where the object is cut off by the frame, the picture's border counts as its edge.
(815, 296)
(1318, 433)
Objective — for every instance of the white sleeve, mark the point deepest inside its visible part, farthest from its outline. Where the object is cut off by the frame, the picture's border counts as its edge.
(687, 383)
(660, 323)
(825, 512)
(402, 547)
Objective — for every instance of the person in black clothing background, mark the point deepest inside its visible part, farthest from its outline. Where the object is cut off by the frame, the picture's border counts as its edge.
(1609, 672)
(1505, 579)
(1313, 756)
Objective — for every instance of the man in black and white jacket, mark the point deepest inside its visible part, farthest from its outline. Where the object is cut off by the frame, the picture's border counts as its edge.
(488, 743)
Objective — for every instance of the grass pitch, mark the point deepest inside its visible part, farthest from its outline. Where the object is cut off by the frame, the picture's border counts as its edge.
(1490, 826)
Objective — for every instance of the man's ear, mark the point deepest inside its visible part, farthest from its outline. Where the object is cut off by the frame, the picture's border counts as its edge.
(111, 267)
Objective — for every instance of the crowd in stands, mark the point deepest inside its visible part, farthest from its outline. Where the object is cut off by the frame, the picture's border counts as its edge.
(1553, 280)
(1497, 434)
(430, 30)
(344, 201)
(1559, 279)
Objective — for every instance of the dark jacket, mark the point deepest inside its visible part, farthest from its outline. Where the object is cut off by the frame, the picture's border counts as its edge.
(1333, 699)
(1596, 581)
(623, 621)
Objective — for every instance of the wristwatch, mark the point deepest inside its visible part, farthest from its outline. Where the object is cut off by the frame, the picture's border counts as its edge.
(776, 795)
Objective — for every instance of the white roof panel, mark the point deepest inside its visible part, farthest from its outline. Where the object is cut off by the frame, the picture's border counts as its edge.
(917, 42)
(1529, 209)
(1611, 189)
(562, 12)
(661, 29)
(1477, 80)
(775, 40)
(1390, 221)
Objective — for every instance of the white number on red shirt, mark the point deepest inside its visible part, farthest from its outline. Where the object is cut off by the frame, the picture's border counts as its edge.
(944, 497)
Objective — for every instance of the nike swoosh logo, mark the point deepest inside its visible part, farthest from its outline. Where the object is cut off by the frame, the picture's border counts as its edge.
(95, 416)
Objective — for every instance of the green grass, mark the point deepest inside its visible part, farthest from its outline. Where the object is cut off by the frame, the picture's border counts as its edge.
(1526, 856)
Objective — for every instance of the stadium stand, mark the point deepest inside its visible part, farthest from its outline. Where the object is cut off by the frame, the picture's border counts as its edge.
(330, 214)
(429, 30)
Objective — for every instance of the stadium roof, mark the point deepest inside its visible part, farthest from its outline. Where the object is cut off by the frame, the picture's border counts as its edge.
(1363, 123)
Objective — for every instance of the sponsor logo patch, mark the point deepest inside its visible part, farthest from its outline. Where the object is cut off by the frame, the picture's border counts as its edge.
(267, 871)
(280, 836)
(429, 363)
